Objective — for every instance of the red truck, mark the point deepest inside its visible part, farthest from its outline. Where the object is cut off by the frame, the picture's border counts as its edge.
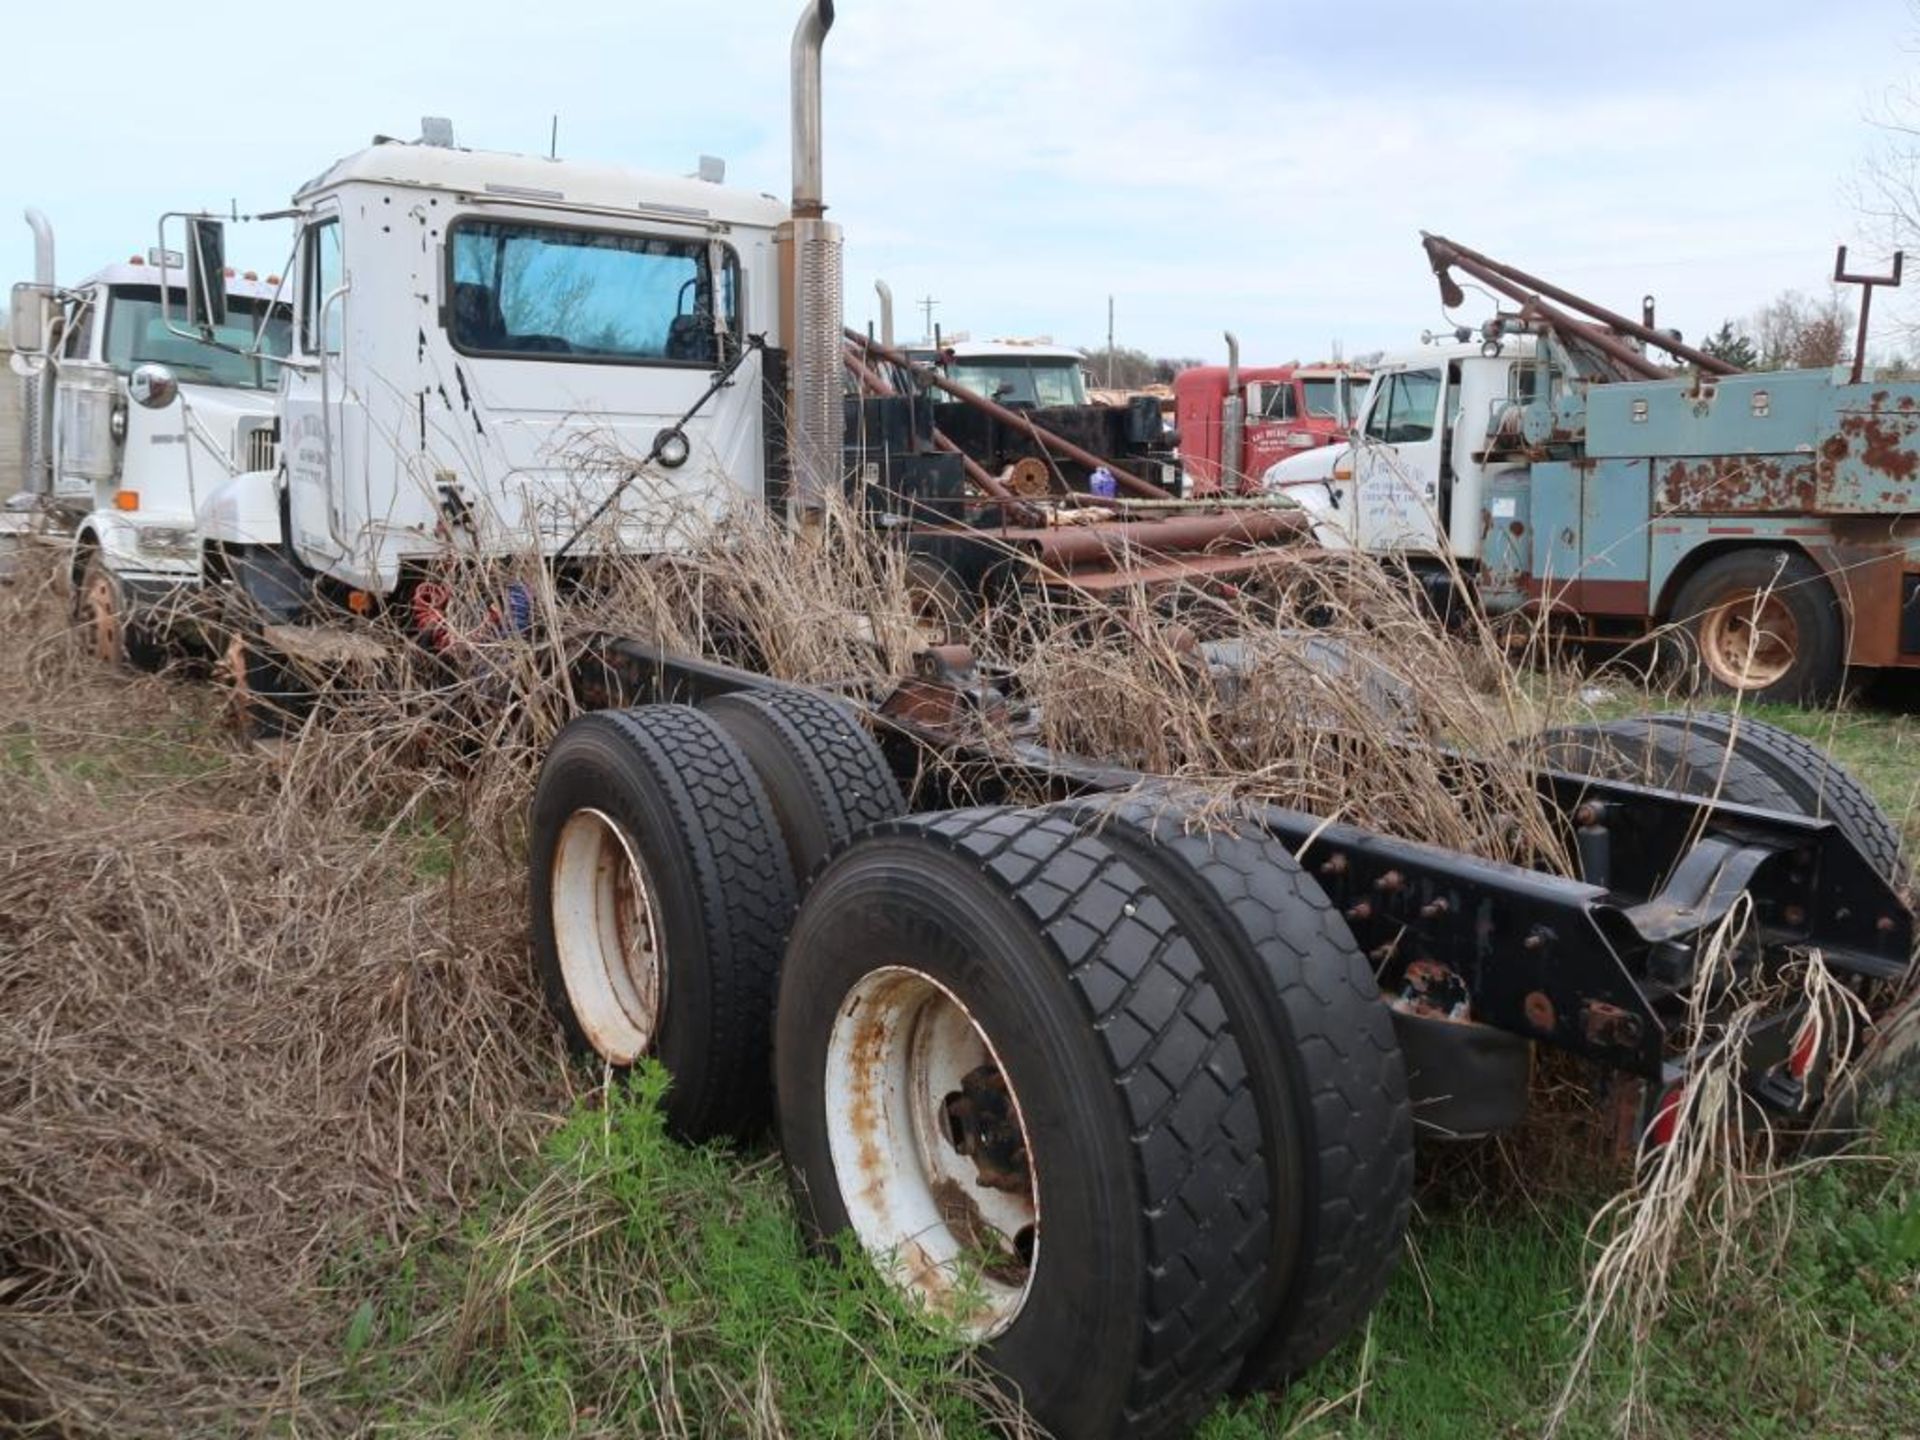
(1281, 410)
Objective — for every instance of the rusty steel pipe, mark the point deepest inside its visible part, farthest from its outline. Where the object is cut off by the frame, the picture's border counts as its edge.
(1443, 252)
(1069, 546)
(1614, 348)
(1126, 480)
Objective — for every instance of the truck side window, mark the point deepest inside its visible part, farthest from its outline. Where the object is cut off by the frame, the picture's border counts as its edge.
(1277, 403)
(325, 270)
(79, 344)
(1403, 411)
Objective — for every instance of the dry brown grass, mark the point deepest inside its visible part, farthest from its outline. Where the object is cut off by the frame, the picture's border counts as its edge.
(240, 1035)
(1344, 700)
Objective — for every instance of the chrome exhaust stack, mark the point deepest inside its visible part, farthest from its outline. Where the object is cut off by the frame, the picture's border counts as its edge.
(36, 407)
(816, 421)
(1233, 421)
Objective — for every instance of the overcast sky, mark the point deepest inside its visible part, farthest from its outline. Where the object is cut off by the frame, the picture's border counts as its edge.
(1257, 165)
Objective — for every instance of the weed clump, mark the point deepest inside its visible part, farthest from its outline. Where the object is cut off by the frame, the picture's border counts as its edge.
(623, 1284)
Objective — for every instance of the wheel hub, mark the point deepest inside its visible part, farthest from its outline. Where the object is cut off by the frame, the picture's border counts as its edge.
(607, 934)
(931, 1150)
(1749, 641)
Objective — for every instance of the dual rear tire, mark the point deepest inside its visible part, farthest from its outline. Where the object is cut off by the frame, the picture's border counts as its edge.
(1120, 1105)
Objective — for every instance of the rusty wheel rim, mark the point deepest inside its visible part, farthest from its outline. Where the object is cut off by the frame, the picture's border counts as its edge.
(930, 611)
(233, 677)
(930, 1150)
(103, 616)
(607, 936)
(1749, 641)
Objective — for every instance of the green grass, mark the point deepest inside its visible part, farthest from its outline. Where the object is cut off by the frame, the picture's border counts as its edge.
(627, 1285)
(1477, 1340)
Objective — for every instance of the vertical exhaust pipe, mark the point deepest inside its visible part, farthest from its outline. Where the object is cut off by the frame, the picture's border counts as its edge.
(36, 408)
(43, 271)
(1233, 421)
(885, 292)
(816, 418)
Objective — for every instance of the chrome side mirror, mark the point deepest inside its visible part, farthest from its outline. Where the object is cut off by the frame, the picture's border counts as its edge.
(206, 274)
(152, 386)
(31, 320)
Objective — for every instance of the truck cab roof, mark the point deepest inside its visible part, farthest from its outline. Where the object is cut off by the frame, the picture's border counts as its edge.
(508, 177)
(1003, 350)
(1427, 355)
(138, 272)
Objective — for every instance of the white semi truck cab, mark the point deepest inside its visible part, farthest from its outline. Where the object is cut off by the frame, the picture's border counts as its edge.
(472, 353)
(130, 424)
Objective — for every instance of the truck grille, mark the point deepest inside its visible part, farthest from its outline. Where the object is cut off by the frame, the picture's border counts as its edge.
(260, 448)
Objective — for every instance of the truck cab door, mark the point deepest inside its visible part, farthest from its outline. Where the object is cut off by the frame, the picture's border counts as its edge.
(1273, 430)
(1397, 463)
(318, 403)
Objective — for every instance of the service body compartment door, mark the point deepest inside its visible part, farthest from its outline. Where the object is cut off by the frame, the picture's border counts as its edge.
(1614, 541)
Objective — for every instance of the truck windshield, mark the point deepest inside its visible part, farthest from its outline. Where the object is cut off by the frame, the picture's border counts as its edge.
(1323, 397)
(1336, 397)
(138, 335)
(1016, 380)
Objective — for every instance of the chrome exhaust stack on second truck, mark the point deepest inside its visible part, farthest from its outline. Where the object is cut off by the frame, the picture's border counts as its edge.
(813, 283)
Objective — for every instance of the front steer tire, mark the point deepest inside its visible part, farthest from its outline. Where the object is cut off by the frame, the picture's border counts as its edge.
(1142, 1137)
(661, 894)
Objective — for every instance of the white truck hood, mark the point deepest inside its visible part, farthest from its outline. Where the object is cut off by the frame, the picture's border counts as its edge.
(1320, 482)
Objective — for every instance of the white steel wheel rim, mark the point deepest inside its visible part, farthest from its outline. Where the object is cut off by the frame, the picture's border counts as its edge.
(902, 1046)
(607, 935)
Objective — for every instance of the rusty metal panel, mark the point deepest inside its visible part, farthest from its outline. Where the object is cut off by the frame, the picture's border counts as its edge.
(1869, 450)
(1736, 485)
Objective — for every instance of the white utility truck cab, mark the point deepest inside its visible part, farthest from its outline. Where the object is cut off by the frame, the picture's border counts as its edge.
(1409, 480)
(131, 423)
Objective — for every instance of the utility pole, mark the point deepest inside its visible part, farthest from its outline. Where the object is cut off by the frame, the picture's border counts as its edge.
(1109, 342)
(926, 306)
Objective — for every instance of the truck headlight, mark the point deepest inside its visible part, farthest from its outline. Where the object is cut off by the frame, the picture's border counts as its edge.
(166, 539)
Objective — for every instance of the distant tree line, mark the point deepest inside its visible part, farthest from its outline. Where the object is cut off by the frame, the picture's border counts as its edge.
(1131, 369)
(1793, 331)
